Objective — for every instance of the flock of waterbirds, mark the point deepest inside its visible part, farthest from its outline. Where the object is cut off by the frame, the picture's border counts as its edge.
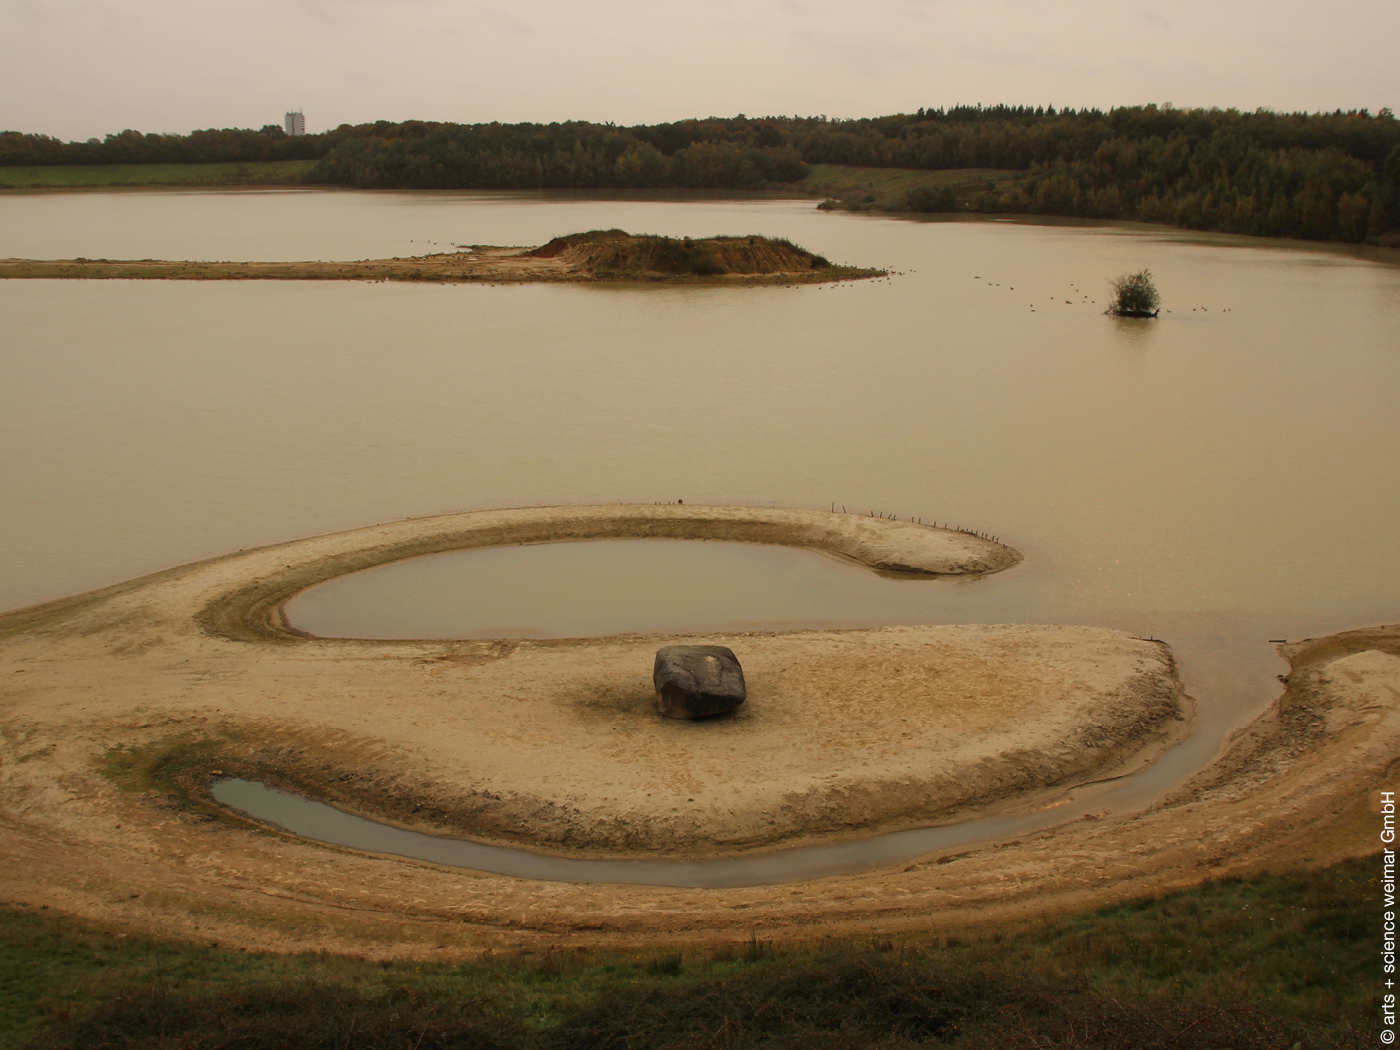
(1083, 296)
(1084, 299)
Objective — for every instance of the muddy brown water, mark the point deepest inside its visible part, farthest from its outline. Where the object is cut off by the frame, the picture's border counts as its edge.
(1217, 478)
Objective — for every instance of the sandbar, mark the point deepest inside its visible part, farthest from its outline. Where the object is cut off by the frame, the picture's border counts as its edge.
(117, 706)
(601, 256)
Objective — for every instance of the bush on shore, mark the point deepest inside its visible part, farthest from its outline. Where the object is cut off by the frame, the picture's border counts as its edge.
(929, 199)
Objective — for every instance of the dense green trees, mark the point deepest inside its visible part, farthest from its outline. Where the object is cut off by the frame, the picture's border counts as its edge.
(1319, 176)
(928, 199)
(132, 147)
(563, 156)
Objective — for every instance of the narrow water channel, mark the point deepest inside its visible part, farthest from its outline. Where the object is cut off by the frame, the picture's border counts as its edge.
(324, 823)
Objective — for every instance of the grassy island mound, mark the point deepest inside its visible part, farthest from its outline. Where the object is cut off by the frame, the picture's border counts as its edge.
(599, 255)
(616, 253)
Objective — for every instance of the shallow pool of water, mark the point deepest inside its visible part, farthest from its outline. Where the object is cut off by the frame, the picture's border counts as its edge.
(601, 587)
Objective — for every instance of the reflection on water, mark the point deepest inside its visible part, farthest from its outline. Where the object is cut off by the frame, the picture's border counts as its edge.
(1135, 333)
(1216, 478)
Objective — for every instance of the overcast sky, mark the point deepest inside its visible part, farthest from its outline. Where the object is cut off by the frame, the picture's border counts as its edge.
(80, 68)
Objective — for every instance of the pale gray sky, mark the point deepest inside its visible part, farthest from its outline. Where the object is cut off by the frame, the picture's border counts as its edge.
(78, 68)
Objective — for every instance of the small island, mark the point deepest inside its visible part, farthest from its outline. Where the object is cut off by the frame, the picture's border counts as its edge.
(1134, 295)
(599, 255)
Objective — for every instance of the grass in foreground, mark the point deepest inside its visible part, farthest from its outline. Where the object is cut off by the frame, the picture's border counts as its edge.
(78, 176)
(1242, 963)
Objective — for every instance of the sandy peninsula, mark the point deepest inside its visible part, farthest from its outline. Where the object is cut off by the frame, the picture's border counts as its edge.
(117, 707)
(601, 255)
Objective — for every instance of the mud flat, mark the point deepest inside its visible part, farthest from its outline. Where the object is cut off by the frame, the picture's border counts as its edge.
(119, 706)
(602, 255)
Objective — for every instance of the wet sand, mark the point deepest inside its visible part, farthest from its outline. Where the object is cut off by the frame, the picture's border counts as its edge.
(119, 705)
(484, 264)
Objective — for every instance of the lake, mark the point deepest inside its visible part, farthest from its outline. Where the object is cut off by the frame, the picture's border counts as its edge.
(1218, 477)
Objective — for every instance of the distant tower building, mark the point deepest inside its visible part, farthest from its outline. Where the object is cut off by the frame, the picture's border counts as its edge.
(295, 123)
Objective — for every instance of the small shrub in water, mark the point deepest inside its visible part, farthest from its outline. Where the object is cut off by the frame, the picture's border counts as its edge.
(1134, 295)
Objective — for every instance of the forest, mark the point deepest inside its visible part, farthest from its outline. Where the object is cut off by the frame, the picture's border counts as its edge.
(1317, 176)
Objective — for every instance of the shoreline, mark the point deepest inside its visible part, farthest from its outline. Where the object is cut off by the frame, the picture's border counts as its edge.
(483, 264)
(102, 691)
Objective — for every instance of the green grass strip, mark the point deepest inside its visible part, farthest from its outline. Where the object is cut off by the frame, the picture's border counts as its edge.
(80, 176)
(1240, 960)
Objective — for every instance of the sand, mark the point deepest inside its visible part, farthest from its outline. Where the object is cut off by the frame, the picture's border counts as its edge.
(483, 264)
(552, 745)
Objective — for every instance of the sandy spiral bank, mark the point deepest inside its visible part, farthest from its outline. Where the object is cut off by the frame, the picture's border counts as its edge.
(118, 705)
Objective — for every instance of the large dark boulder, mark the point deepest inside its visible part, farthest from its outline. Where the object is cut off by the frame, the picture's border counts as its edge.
(697, 681)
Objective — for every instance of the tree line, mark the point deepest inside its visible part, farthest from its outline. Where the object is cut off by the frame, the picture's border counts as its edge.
(212, 146)
(1328, 176)
(1312, 175)
(574, 155)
